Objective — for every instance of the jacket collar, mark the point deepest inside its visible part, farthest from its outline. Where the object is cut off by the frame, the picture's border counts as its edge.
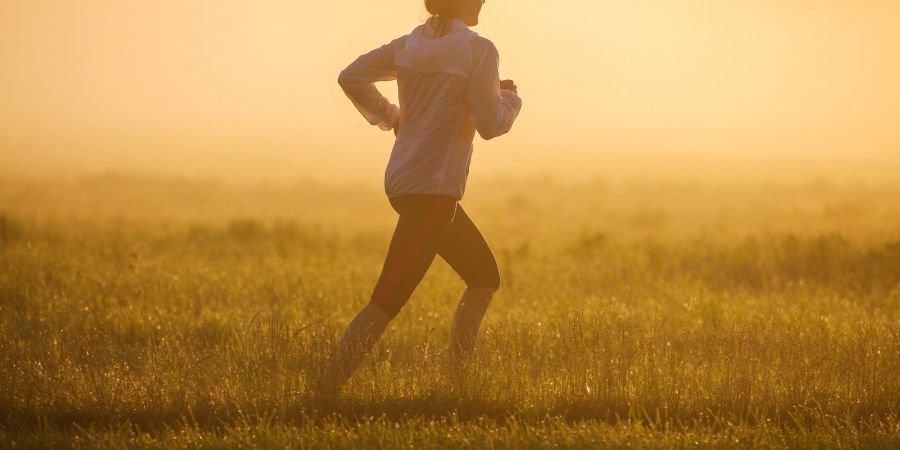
(458, 25)
(455, 25)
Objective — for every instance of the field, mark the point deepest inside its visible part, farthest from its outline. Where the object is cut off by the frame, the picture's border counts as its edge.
(164, 312)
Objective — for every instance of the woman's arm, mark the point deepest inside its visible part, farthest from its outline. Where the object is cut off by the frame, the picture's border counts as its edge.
(493, 109)
(358, 79)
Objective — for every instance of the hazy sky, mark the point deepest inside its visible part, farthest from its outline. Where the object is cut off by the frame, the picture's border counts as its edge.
(167, 83)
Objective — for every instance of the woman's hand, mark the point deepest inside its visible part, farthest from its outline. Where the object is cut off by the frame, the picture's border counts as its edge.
(509, 84)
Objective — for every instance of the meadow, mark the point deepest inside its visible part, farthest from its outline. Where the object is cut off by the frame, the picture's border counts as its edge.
(153, 312)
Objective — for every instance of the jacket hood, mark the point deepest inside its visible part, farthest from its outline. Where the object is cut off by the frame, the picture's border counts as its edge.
(426, 53)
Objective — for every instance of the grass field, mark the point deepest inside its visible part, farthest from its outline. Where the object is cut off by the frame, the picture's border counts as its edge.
(161, 313)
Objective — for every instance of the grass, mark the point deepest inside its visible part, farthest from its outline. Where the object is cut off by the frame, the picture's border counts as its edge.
(169, 313)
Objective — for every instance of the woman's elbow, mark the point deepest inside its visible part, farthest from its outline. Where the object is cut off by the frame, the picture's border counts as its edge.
(486, 127)
(344, 78)
(487, 134)
(492, 130)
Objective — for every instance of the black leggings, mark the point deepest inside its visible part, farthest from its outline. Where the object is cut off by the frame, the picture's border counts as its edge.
(431, 225)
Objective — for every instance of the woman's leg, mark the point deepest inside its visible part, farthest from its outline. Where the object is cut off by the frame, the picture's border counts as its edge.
(423, 224)
(466, 251)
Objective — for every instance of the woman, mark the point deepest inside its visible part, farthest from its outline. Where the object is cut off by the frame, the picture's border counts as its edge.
(449, 88)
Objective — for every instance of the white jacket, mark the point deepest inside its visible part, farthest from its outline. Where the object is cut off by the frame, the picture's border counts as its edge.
(449, 87)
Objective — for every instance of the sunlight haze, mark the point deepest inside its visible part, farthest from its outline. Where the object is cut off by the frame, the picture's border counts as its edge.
(248, 88)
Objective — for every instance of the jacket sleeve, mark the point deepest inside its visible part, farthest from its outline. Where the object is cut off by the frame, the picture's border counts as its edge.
(493, 109)
(357, 81)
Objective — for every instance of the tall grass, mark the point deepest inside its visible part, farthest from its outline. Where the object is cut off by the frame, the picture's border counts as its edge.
(617, 327)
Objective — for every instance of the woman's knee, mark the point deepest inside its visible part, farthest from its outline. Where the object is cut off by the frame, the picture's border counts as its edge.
(486, 280)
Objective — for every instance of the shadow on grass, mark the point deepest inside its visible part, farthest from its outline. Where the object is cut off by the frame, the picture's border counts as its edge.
(441, 408)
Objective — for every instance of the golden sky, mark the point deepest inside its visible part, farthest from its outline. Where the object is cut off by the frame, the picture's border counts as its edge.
(168, 83)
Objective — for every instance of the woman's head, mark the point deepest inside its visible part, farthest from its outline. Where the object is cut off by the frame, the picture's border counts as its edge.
(447, 10)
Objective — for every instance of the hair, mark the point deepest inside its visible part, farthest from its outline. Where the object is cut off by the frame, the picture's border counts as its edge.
(442, 12)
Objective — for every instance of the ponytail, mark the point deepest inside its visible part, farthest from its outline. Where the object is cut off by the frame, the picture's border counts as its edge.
(442, 13)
